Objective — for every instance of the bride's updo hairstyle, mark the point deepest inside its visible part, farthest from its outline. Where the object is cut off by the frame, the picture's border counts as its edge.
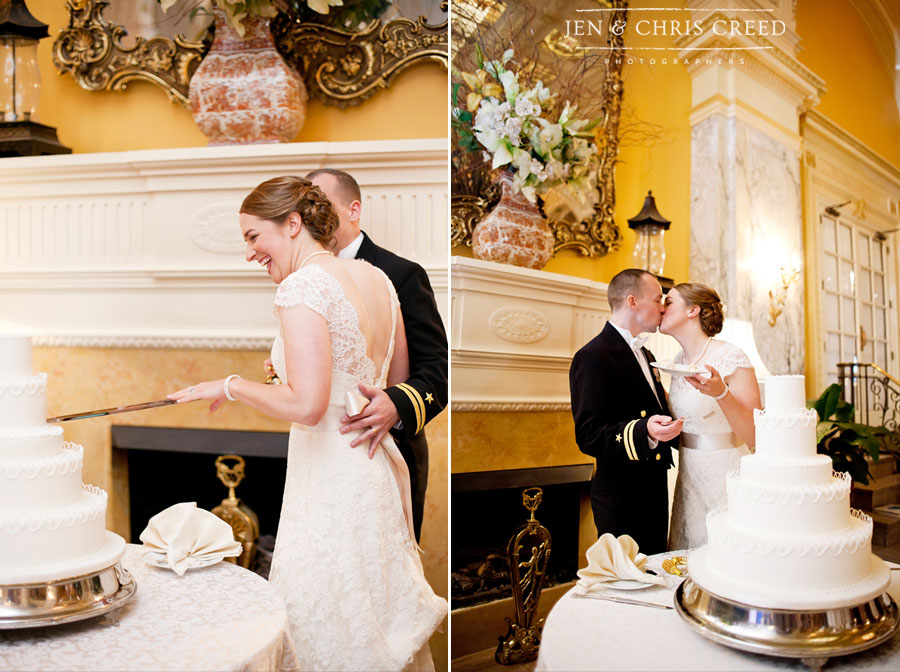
(711, 312)
(277, 198)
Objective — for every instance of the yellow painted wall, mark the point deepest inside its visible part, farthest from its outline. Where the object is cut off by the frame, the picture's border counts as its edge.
(839, 48)
(143, 118)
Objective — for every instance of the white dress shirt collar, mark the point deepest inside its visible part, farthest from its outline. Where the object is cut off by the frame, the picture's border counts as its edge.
(350, 251)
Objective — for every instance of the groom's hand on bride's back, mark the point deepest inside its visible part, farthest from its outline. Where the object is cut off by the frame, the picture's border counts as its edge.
(663, 428)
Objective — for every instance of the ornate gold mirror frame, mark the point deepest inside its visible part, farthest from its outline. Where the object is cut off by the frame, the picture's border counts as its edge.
(597, 235)
(340, 68)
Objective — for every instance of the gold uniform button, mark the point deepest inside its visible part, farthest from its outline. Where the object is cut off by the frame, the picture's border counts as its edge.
(643, 414)
(658, 456)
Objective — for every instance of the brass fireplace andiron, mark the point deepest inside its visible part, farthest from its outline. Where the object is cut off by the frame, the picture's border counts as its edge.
(234, 512)
(528, 552)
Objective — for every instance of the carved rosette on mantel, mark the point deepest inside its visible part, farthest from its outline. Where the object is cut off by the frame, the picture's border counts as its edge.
(243, 91)
(515, 231)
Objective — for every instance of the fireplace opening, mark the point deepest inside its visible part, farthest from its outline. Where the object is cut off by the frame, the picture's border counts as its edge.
(487, 512)
(163, 466)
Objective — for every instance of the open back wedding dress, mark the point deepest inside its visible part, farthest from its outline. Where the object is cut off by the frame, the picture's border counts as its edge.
(344, 560)
(708, 449)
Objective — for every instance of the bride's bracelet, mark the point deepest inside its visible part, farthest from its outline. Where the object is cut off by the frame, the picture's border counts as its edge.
(225, 386)
(724, 393)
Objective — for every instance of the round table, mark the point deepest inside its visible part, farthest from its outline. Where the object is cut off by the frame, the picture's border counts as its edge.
(586, 634)
(222, 617)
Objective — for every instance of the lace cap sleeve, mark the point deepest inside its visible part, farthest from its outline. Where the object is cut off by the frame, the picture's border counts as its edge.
(303, 288)
(729, 358)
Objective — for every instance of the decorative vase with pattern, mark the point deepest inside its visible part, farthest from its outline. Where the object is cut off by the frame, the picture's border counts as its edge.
(243, 91)
(514, 232)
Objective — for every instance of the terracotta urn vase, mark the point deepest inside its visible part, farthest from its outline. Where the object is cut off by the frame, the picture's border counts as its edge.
(514, 232)
(243, 91)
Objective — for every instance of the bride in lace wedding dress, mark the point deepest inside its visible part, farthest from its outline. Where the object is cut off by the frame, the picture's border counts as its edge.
(345, 561)
(717, 409)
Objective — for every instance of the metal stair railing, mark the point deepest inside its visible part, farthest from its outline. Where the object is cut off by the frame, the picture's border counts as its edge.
(875, 395)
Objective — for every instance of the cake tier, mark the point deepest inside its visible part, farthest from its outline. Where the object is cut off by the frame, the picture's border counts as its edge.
(785, 434)
(779, 510)
(57, 536)
(786, 471)
(39, 484)
(795, 598)
(23, 401)
(31, 442)
(63, 566)
(786, 393)
(785, 569)
(15, 356)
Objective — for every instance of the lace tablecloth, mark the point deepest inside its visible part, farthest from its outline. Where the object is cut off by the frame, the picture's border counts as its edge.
(584, 634)
(222, 617)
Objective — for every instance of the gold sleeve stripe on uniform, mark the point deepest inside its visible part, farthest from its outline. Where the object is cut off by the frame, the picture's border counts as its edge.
(417, 403)
(628, 434)
(631, 439)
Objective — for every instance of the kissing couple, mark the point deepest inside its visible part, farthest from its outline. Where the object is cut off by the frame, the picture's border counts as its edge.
(626, 421)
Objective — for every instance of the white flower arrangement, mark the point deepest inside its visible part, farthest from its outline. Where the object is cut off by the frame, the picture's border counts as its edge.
(551, 159)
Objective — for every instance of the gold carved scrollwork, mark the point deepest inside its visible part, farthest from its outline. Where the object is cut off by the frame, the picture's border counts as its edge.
(598, 235)
(345, 68)
(92, 51)
(340, 68)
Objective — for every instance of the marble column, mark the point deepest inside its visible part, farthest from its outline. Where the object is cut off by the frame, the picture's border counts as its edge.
(748, 92)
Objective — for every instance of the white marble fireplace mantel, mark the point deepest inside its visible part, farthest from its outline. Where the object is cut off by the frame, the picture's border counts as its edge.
(514, 331)
(143, 249)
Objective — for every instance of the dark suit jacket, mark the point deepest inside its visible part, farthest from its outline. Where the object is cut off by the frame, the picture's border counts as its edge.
(611, 402)
(424, 394)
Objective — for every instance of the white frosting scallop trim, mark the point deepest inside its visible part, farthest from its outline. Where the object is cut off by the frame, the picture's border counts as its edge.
(775, 419)
(23, 434)
(797, 545)
(20, 385)
(71, 459)
(789, 495)
(87, 509)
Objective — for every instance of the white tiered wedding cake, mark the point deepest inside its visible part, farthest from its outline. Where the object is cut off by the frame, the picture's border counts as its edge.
(788, 538)
(52, 527)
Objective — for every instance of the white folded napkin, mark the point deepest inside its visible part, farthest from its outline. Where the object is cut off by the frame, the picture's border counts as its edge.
(612, 559)
(188, 536)
(354, 403)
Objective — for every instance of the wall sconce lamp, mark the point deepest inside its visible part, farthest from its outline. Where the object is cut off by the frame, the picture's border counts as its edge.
(778, 296)
(20, 85)
(650, 228)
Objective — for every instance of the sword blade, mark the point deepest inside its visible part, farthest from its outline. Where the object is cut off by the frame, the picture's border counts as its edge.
(111, 411)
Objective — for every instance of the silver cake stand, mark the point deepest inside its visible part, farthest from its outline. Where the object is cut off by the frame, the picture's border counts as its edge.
(66, 600)
(812, 636)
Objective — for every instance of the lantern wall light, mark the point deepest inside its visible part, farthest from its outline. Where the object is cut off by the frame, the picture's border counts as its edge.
(20, 85)
(649, 248)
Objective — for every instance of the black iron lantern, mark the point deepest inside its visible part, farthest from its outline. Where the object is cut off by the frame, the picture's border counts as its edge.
(650, 228)
(20, 84)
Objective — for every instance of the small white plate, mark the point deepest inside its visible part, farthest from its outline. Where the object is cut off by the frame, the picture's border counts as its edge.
(628, 584)
(159, 560)
(674, 369)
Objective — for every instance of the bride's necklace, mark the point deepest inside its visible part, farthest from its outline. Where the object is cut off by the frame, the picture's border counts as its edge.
(703, 352)
(308, 257)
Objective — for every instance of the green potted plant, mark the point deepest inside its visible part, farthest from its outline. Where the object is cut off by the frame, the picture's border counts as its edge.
(846, 442)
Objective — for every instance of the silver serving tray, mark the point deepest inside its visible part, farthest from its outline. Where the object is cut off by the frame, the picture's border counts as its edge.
(66, 600)
(811, 635)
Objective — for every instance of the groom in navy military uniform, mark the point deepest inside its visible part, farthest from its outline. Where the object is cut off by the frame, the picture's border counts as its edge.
(403, 409)
(622, 417)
